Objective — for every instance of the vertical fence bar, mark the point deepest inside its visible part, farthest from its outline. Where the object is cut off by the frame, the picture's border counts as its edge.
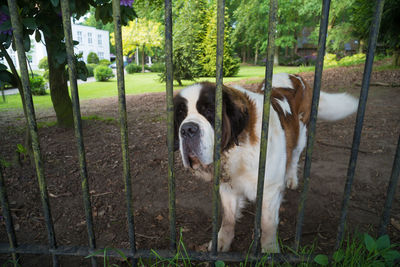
(170, 122)
(313, 118)
(273, 10)
(12, 239)
(394, 178)
(218, 124)
(18, 36)
(360, 118)
(66, 17)
(124, 124)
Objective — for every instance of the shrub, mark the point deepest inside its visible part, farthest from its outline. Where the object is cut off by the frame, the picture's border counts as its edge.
(103, 73)
(352, 60)
(43, 64)
(38, 85)
(105, 62)
(330, 60)
(92, 58)
(133, 68)
(157, 67)
(46, 75)
(90, 68)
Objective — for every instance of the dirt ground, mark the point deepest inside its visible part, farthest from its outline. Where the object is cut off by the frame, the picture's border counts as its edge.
(148, 151)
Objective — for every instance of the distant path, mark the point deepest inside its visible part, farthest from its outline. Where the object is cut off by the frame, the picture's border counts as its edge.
(14, 91)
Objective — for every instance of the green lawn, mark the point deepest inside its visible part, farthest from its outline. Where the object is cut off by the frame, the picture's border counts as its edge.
(139, 83)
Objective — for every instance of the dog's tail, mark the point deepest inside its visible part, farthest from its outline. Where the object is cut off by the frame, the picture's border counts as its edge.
(334, 107)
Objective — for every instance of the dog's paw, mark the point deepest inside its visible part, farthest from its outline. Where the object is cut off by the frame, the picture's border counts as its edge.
(292, 183)
(271, 248)
(224, 244)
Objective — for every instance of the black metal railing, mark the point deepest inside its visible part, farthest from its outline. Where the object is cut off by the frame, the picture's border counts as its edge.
(52, 249)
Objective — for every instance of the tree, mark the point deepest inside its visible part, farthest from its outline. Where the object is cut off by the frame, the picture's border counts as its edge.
(43, 17)
(230, 63)
(92, 58)
(142, 33)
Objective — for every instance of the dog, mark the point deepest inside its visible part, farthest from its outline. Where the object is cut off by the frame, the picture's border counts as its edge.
(194, 108)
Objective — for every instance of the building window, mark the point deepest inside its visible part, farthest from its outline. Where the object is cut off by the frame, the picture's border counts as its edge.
(89, 38)
(99, 40)
(101, 55)
(79, 37)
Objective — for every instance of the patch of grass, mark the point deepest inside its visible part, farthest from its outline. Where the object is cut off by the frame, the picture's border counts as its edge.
(386, 67)
(140, 83)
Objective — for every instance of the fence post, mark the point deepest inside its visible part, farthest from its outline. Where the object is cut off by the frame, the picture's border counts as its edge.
(66, 17)
(394, 178)
(273, 10)
(170, 122)
(124, 124)
(313, 118)
(360, 118)
(12, 239)
(218, 124)
(18, 36)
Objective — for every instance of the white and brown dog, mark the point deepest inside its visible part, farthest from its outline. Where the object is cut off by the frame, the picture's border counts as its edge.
(241, 129)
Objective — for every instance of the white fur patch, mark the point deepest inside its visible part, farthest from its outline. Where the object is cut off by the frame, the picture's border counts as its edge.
(280, 80)
(284, 105)
(300, 79)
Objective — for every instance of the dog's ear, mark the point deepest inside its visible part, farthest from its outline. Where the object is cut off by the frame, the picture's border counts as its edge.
(235, 117)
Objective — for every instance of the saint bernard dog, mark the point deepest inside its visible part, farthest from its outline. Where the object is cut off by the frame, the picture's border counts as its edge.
(241, 129)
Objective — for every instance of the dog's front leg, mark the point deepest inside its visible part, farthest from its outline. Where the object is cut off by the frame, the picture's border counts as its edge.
(269, 221)
(230, 212)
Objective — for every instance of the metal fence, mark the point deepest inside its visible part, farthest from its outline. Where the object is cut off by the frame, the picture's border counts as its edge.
(54, 250)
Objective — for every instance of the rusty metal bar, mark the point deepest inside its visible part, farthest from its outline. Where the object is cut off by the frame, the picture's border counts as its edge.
(123, 123)
(12, 239)
(154, 254)
(394, 178)
(273, 10)
(170, 123)
(218, 124)
(373, 37)
(66, 17)
(313, 118)
(18, 36)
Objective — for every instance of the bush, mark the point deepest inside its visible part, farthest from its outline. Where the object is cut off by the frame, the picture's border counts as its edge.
(92, 58)
(46, 75)
(105, 62)
(157, 67)
(43, 64)
(352, 60)
(133, 68)
(38, 85)
(90, 68)
(103, 73)
(330, 60)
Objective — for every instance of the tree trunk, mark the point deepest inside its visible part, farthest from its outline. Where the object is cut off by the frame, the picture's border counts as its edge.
(59, 88)
(276, 56)
(143, 59)
(361, 47)
(396, 58)
(256, 55)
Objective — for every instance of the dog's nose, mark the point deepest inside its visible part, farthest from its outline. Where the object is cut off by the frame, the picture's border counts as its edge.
(189, 129)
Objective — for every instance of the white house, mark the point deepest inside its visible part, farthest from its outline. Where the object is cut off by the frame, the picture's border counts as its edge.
(90, 40)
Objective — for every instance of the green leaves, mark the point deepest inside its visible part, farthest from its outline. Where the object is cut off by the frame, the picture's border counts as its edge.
(321, 259)
(370, 243)
(219, 264)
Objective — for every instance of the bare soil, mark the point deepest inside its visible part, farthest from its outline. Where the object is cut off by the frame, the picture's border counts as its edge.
(148, 152)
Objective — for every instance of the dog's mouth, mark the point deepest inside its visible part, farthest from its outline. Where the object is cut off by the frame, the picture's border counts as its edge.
(194, 161)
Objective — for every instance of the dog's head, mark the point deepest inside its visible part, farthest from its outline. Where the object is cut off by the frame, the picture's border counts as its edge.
(194, 109)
